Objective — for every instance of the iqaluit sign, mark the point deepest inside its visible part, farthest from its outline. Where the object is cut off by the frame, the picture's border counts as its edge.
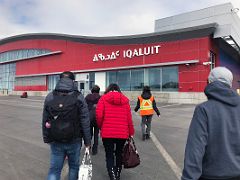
(128, 53)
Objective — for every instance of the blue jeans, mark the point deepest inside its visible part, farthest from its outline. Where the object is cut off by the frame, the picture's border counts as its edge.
(58, 153)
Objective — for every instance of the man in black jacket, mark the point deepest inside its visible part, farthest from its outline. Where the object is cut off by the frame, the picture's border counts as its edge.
(213, 144)
(65, 122)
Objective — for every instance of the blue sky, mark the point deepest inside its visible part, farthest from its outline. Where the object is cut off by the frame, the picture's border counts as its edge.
(92, 17)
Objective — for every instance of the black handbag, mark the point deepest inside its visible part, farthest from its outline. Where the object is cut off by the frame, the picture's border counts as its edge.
(130, 156)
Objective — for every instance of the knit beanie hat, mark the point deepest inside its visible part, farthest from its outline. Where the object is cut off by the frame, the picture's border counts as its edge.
(221, 74)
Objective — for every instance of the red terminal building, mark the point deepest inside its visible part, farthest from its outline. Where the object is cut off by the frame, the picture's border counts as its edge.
(174, 61)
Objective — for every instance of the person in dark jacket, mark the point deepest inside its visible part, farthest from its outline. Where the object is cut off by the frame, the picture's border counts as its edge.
(92, 100)
(114, 119)
(71, 149)
(213, 144)
(147, 105)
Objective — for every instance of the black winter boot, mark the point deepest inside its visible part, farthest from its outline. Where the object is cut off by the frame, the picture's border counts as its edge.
(112, 174)
(118, 172)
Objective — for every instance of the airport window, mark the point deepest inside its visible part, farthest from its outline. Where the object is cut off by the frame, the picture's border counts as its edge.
(21, 54)
(154, 76)
(111, 77)
(7, 76)
(170, 79)
(159, 79)
(52, 81)
(123, 79)
(31, 81)
(137, 79)
(91, 80)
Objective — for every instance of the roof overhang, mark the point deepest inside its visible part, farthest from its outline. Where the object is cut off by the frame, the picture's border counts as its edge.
(171, 35)
(228, 48)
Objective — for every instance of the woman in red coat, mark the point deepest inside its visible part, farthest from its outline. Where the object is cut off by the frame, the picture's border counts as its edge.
(114, 119)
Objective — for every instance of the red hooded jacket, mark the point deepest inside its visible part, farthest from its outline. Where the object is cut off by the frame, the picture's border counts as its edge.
(114, 116)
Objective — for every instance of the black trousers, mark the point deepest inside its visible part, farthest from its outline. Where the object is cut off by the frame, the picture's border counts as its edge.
(113, 151)
(94, 133)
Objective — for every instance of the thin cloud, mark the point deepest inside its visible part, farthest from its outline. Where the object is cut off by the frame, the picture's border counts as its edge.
(91, 18)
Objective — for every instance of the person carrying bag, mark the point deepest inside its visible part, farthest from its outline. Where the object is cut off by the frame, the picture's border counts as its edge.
(65, 123)
(130, 156)
(85, 169)
(114, 119)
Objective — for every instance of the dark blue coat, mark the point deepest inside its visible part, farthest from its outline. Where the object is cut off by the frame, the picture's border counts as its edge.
(213, 144)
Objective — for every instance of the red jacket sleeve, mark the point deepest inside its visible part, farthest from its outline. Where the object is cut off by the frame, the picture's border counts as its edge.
(130, 122)
(100, 112)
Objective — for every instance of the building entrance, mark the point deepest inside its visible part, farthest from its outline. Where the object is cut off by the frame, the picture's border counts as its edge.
(82, 81)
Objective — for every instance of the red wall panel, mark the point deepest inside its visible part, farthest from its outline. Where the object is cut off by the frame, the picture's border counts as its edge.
(30, 88)
(77, 56)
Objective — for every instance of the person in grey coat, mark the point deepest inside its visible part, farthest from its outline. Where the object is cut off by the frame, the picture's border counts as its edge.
(213, 144)
(70, 98)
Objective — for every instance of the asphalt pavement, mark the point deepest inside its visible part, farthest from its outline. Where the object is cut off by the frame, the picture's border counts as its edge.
(24, 155)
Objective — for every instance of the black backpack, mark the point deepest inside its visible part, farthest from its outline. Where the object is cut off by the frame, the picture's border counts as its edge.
(63, 112)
